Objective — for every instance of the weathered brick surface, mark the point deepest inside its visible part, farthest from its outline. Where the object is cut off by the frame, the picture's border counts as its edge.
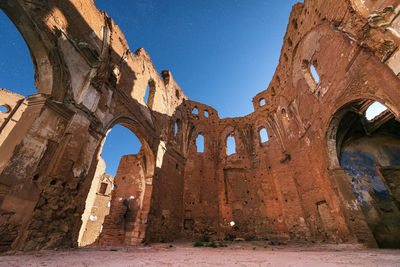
(299, 185)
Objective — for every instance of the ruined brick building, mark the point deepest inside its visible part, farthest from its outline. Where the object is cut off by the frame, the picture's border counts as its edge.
(325, 173)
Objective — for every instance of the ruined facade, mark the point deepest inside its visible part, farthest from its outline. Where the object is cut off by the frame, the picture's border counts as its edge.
(325, 173)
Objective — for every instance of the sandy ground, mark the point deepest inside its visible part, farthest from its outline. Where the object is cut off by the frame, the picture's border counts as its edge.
(235, 254)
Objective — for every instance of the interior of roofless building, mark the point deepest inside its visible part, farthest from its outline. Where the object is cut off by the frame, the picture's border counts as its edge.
(101, 150)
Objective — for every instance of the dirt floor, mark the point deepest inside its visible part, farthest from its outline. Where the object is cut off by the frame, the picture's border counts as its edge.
(234, 254)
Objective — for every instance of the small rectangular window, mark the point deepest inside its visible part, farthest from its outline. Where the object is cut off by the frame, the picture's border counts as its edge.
(103, 188)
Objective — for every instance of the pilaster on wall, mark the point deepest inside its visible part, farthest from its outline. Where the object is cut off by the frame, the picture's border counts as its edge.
(23, 152)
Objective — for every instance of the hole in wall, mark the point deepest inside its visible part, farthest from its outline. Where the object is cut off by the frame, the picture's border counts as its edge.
(230, 145)
(176, 128)
(294, 23)
(314, 74)
(290, 42)
(146, 95)
(5, 108)
(150, 93)
(200, 143)
(285, 57)
(206, 113)
(272, 91)
(263, 135)
(374, 110)
(195, 111)
(232, 223)
(310, 74)
(262, 102)
(177, 93)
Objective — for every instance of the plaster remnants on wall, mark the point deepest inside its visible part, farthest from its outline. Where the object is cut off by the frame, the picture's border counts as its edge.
(305, 166)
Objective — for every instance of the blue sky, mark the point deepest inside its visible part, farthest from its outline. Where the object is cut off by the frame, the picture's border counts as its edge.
(221, 53)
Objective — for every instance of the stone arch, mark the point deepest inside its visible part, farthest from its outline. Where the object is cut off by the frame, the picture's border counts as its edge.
(368, 153)
(134, 126)
(361, 105)
(260, 130)
(259, 125)
(200, 138)
(193, 139)
(47, 64)
(229, 131)
(130, 201)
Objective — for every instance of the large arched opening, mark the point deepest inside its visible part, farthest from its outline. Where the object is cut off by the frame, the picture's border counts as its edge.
(17, 73)
(47, 71)
(29, 77)
(367, 147)
(120, 191)
(17, 77)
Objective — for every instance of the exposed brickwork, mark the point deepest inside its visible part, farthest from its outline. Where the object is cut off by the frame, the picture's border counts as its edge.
(295, 186)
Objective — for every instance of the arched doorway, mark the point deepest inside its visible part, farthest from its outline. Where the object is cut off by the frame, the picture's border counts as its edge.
(120, 192)
(368, 149)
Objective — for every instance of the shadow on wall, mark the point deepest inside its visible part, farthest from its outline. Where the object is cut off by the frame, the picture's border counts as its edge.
(368, 148)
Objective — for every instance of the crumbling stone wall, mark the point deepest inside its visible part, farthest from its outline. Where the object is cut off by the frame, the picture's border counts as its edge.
(14, 105)
(98, 203)
(291, 187)
(124, 224)
(87, 81)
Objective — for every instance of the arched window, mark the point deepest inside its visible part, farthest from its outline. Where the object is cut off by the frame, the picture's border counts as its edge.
(206, 113)
(230, 145)
(150, 92)
(314, 74)
(176, 127)
(263, 135)
(285, 115)
(200, 143)
(311, 74)
(146, 95)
